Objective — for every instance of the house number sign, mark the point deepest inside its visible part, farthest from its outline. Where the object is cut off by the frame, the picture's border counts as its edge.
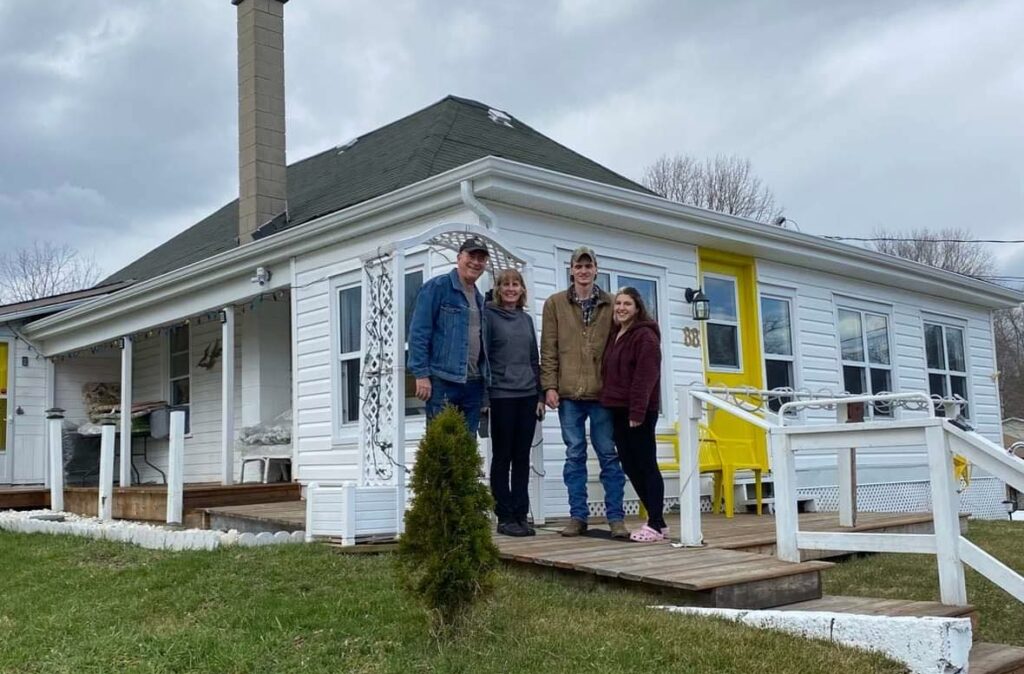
(691, 337)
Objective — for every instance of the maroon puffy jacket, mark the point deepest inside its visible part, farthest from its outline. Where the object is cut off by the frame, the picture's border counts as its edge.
(631, 370)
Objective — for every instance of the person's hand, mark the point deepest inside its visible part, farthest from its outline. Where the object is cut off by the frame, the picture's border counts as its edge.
(423, 388)
(634, 424)
(485, 410)
(540, 410)
(551, 398)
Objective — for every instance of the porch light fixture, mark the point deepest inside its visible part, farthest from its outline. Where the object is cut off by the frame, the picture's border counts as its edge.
(701, 305)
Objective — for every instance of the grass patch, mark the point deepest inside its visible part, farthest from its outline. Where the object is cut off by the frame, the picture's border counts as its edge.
(73, 605)
(905, 576)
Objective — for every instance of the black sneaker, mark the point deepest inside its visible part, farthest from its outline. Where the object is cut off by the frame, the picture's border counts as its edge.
(512, 529)
(525, 524)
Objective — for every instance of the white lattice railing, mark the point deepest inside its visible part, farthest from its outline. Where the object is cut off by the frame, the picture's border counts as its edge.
(940, 436)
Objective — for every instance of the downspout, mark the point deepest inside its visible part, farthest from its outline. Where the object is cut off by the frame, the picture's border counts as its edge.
(487, 218)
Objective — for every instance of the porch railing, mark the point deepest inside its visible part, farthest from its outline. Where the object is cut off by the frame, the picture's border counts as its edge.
(940, 436)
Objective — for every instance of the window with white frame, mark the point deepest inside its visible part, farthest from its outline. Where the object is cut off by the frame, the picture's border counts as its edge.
(180, 371)
(864, 349)
(947, 362)
(777, 335)
(413, 282)
(723, 325)
(610, 281)
(350, 353)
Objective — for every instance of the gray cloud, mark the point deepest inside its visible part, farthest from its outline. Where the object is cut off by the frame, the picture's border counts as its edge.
(120, 116)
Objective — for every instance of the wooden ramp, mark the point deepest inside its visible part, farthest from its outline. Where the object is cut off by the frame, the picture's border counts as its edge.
(29, 497)
(257, 517)
(705, 576)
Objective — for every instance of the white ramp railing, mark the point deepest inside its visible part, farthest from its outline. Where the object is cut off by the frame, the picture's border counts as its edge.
(939, 436)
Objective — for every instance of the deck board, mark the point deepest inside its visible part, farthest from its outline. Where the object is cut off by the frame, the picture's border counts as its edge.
(29, 496)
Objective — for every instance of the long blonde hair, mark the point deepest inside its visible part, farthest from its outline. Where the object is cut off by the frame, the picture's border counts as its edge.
(506, 275)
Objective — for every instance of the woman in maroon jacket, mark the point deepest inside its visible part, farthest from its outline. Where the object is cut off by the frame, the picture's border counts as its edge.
(630, 389)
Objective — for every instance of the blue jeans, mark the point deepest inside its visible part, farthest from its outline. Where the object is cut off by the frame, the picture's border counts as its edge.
(465, 397)
(572, 414)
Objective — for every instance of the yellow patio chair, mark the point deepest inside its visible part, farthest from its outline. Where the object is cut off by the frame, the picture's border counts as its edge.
(962, 471)
(709, 460)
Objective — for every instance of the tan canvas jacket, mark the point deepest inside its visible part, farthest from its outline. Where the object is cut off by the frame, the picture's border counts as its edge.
(570, 353)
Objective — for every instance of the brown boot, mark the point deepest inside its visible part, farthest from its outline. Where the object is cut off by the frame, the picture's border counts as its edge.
(619, 530)
(575, 527)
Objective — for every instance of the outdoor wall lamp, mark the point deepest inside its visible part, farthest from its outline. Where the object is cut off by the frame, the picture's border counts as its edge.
(701, 305)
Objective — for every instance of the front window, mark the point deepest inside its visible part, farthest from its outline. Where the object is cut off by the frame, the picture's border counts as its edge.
(723, 327)
(947, 363)
(180, 371)
(777, 332)
(613, 280)
(864, 347)
(350, 323)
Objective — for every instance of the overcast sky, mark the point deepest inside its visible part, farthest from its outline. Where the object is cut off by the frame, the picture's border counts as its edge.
(118, 117)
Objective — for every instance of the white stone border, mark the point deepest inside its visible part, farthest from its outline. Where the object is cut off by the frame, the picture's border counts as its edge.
(148, 536)
(926, 645)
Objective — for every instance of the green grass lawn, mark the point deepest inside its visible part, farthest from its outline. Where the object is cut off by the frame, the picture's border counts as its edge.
(72, 605)
(899, 576)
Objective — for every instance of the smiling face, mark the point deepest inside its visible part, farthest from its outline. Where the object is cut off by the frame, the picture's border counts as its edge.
(625, 309)
(471, 265)
(510, 291)
(584, 271)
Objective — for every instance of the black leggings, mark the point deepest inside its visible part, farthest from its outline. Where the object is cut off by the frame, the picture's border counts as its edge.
(513, 421)
(638, 452)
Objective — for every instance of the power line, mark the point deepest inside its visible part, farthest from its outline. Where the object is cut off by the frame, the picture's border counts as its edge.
(897, 238)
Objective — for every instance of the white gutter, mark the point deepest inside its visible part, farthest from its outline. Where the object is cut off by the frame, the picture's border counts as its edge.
(487, 218)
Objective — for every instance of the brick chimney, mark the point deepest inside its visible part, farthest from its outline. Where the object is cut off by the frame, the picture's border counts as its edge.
(263, 188)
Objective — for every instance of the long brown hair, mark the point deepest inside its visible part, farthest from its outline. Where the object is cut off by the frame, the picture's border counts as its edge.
(641, 308)
(504, 276)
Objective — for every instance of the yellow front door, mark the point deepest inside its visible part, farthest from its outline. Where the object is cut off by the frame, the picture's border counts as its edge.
(732, 353)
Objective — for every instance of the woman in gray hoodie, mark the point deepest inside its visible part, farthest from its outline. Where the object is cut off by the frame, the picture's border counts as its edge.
(516, 400)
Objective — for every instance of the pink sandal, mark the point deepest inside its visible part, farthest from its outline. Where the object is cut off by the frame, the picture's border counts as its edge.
(646, 534)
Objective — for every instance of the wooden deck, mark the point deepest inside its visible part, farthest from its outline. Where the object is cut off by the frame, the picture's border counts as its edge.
(148, 503)
(17, 497)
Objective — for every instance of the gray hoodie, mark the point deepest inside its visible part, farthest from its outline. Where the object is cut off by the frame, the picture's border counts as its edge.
(512, 352)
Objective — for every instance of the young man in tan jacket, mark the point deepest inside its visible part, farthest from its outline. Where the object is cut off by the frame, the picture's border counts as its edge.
(576, 326)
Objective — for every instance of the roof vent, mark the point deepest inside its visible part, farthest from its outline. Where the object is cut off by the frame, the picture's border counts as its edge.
(347, 144)
(499, 117)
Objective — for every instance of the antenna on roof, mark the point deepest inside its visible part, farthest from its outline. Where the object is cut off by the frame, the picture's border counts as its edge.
(346, 145)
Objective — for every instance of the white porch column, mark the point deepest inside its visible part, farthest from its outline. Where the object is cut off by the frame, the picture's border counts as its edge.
(398, 381)
(54, 423)
(175, 467)
(847, 469)
(105, 509)
(125, 476)
(689, 415)
(228, 396)
(946, 515)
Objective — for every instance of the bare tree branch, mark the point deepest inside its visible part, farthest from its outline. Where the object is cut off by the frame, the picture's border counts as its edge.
(932, 248)
(726, 184)
(44, 269)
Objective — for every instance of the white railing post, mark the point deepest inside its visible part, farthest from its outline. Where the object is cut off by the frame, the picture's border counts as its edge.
(689, 414)
(946, 515)
(176, 467)
(55, 423)
(125, 475)
(537, 473)
(348, 531)
(106, 488)
(310, 495)
(846, 469)
(227, 413)
(784, 473)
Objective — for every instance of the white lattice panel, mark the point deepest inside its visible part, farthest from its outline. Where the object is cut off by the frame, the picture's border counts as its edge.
(982, 499)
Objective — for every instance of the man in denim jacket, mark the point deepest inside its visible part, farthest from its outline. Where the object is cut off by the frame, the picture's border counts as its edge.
(446, 352)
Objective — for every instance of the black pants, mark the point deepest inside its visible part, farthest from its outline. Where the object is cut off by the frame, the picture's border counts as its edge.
(638, 452)
(513, 421)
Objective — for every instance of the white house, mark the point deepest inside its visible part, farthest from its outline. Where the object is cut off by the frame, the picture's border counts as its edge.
(291, 297)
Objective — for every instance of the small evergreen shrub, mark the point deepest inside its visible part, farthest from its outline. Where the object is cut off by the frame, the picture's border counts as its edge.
(446, 558)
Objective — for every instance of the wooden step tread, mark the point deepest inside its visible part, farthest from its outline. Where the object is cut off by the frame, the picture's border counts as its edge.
(878, 606)
(989, 658)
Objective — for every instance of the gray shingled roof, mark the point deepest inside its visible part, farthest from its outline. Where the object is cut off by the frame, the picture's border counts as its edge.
(448, 134)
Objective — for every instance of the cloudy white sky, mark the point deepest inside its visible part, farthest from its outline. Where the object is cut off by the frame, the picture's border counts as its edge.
(119, 121)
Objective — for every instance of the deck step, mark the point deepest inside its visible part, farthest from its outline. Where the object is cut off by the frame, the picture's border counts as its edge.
(257, 517)
(886, 607)
(989, 658)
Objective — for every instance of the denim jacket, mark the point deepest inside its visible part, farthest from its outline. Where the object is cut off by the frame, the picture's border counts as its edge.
(439, 331)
